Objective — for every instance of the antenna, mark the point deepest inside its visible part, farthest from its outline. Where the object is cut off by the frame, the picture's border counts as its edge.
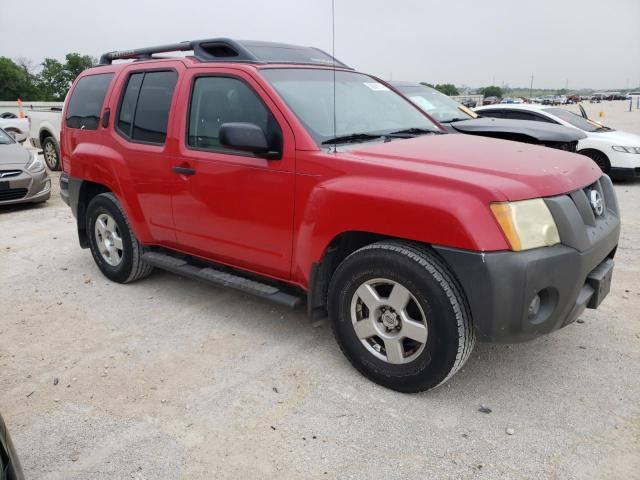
(333, 56)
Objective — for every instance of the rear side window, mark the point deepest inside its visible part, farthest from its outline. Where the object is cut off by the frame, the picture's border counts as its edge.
(219, 100)
(86, 101)
(144, 108)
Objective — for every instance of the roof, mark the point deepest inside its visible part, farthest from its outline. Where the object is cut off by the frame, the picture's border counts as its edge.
(232, 51)
(514, 106)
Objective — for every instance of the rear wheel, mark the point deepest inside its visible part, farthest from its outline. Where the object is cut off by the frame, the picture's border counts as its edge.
(600, 158)
(113, 244)
(400, 317)
(51, 153)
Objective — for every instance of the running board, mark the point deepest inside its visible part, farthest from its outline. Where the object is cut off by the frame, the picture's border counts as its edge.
(221, 278)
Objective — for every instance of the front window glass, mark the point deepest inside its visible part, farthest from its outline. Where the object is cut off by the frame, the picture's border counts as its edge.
(575, 120)
(219, 100)
(436, 104)
(362, 104)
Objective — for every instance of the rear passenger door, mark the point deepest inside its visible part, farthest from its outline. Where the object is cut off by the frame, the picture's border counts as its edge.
(230, 206)
(141, 112)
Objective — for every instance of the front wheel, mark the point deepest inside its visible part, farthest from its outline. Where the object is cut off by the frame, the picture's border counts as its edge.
(400, 317)
(113, 244)
(600, 158)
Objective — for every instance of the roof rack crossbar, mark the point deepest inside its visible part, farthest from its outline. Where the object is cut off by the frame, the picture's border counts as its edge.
(201, 48)
(224, 50)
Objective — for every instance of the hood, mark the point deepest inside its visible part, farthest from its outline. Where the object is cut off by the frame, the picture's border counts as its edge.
(13, 155)
(624, 139)
(541, 131)
(502, 169)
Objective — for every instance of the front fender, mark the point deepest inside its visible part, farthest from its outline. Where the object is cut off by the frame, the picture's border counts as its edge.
(411, 210)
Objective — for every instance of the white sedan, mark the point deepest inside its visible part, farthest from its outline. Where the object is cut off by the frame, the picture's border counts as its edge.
(616, 153)
(18, 128)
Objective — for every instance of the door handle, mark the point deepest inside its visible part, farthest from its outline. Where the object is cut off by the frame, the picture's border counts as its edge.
(184, 170)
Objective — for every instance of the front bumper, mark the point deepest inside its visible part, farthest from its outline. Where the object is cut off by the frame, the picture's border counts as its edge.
(621, 173)
(499, 287)
(25, 187)
(568, 277)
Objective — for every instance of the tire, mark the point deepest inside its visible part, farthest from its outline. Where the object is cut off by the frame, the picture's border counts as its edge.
(122, 262)
(434, 299)
(51, 153)
(600, 158)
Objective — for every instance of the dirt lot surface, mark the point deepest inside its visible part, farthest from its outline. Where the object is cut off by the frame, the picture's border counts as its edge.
(172, 379)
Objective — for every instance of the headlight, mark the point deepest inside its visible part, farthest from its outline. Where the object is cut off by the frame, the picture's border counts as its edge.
(35, 165)
(526, 224)
(626, 149)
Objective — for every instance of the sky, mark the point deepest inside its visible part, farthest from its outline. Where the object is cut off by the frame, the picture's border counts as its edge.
(575, 43)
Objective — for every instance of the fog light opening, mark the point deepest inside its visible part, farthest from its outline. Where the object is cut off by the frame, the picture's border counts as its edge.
(534, 307)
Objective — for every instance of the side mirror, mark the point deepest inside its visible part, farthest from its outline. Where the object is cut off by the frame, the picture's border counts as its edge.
(12, 134)
(247, 137)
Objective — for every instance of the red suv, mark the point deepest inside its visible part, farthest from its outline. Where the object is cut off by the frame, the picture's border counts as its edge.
(279, 171)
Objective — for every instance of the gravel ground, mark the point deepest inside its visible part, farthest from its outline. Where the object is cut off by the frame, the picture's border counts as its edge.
(169, 378)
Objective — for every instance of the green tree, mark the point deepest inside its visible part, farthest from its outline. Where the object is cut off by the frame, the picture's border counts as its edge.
(16, 80)
(427, 84)
(56, 77)
(491, 91)
(447, 88)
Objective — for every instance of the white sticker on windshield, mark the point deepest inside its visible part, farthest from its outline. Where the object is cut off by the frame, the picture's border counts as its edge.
(376, 87)
(422, 103)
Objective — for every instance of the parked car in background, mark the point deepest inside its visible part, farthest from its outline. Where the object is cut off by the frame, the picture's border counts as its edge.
(23, 177)
(490, 100)
(231, 166)
(17, 127)
(469, 102)
(616, 153)
(45, 134)
(457, 119)
(10, 468)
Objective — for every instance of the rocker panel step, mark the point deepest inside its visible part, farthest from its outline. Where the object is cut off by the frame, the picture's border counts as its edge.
(221, 278)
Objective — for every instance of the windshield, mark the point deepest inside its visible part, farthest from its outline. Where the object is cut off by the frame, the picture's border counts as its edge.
(362, 104)
(576, 120)
(436, 104)
(5, 138)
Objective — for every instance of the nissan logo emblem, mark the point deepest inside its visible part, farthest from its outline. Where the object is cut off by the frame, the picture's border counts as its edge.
(596, 202)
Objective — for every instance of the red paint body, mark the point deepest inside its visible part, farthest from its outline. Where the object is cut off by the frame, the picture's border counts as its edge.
(277, 217)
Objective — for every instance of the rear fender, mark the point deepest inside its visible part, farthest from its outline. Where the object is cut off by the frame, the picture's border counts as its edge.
(105, 166)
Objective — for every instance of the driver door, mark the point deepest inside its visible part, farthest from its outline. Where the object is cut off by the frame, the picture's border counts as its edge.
(230, 206)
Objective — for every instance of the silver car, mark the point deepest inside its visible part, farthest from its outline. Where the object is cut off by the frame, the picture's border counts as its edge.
(23, 177)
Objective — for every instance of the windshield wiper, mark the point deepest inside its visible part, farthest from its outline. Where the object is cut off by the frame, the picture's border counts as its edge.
(354, 137)
(456, 119)
(412, 132)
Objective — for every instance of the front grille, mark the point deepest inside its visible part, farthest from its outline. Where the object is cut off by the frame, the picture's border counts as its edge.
(12, 194)
(9, 173)
(579, 225)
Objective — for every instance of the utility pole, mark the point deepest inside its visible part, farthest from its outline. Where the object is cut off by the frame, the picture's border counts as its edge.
(531, 88)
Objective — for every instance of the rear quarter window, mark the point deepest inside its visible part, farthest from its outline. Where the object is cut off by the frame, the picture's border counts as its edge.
(86, 101)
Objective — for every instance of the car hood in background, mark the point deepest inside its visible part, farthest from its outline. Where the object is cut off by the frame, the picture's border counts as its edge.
(14, 155)
(616, 137)
(541, 131)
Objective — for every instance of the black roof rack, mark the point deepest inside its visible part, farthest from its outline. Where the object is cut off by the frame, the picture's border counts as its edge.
(228, 50)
